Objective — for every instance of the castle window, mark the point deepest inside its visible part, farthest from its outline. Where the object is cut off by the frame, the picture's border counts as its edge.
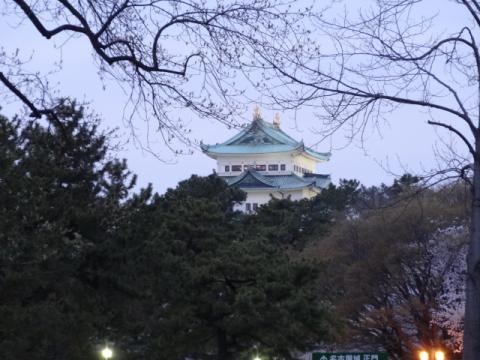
(236, 167)
(273, 167)
(227, 168)
(261, 167)
(248, 207)
(282, 167)
(255, 206)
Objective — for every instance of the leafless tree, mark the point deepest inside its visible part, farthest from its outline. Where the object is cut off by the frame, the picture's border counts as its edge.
(360, 66)
(170, 55)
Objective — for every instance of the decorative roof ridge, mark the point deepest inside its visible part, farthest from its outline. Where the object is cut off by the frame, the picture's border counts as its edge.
(255, 174)
(278, 129)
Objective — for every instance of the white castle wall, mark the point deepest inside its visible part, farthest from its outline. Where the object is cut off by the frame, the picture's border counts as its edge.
(289, 160)
(261, 197)
(293, 164)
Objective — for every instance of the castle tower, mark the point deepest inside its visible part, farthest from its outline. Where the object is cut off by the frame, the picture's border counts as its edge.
(264, 161)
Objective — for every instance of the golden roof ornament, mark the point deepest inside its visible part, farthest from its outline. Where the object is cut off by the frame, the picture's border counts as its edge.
(256, 113)
(276, 120)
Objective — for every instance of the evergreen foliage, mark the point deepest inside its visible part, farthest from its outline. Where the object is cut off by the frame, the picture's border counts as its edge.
(58, 201)
(86, 260)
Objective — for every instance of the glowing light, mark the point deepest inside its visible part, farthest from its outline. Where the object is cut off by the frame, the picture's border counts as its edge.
(423, 355)
(107, 353)
(257, 358)
(439, 355)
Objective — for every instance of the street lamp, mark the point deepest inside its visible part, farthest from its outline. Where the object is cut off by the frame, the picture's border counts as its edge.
(437, 355)
(107, 353)
(423, 355)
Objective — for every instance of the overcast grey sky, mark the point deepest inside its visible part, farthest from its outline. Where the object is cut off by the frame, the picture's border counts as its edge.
(405, 143)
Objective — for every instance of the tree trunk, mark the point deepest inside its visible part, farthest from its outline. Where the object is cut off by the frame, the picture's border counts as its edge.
(471, 337)
(222, 351)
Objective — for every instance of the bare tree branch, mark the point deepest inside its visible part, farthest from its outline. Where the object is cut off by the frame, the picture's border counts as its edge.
(195, 54)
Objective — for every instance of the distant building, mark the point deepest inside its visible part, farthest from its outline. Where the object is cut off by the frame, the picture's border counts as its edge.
(264, 161)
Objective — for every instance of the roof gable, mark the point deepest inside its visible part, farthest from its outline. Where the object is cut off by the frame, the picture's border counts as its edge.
(251, 179)
(261, 133)
(255, 135)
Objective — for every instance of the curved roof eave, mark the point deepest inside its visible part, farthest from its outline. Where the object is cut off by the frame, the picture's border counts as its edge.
(279, 189)
(317, 155)
(216, 153)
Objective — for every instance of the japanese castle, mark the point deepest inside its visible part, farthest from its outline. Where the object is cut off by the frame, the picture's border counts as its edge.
(264, 161)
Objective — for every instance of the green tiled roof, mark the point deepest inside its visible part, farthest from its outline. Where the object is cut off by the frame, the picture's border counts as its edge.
(261, 137)
(252, 179)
